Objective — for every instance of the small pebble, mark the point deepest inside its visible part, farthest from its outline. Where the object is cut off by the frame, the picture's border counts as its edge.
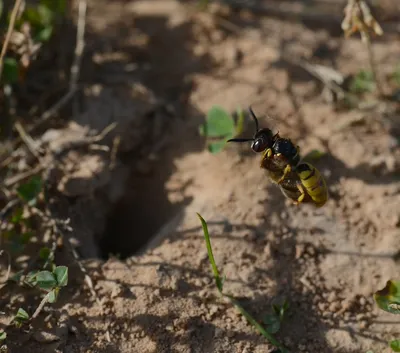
(332, 297)
(363, 301)
(45, 337)
(335, 306)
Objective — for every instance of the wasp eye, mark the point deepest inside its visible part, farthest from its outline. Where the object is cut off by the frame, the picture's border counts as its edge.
(259, 145)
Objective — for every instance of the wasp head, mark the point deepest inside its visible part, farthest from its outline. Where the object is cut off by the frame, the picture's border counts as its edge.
(262, 139)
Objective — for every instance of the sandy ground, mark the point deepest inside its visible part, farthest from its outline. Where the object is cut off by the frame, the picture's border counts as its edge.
(157, 69)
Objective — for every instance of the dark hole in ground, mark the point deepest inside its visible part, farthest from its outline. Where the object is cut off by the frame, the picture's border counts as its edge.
(137, 217)
(145, 206)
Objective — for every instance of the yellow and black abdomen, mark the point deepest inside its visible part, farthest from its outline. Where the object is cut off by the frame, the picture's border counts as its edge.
(313, 183)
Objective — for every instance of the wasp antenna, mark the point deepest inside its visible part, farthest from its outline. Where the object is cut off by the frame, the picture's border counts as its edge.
(254, 117)
(240, 140)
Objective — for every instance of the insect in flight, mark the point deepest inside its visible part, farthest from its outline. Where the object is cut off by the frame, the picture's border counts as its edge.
(298, 181)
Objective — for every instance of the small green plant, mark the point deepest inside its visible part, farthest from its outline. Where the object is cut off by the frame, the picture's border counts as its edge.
(29, 191)
(50, 278)
(21, 317)
(358, 18)
(388, 299)
(274, 320)
(219, 127)
(35, 25)
(20, 230)
(396, 75)
(363, 82)
(219, 282)
(51, 282)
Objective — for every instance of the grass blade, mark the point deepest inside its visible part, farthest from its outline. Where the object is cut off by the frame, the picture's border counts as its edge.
(256, 325)
(217, 277)
(219, 284)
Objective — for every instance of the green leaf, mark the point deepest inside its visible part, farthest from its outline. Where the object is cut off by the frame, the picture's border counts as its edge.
(396, 75)
(44, 253)
(388, 298)
(395, 345)
(46, 280)
(61, 273)
(272, 323)
(22, 315)
(3, 335)
(276, 308)
(216, 147)
(30, 190)
(57, 6)
(46, 15)
(53, 294)
(219, 123)
(17, 215)
(31, 279)
(218, 281)
(32, 15)
(314, 155)
(362, 82)
(44, 34)
(25, 237)
(10, 70)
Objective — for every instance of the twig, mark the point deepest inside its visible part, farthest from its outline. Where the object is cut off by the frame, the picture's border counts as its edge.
(90, 140)
(372, 63)
(19, 177)
(41, 305)
(54, 109)
(74, 71)
(28, 140)
(8, 207)
(11, 25)
(80, 44)
(7, 276)
(114, 151)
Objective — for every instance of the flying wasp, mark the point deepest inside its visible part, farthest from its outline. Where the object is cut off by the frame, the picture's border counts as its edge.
(298, 181)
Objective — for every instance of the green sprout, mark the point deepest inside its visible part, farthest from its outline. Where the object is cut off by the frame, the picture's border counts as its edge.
(219, 127)
(388, 299)
(29, 191)
(273, 321)
(21, 317)
(363, 82)
(219, 284)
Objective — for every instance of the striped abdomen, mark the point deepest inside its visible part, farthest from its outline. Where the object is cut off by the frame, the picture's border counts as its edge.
(313, 183)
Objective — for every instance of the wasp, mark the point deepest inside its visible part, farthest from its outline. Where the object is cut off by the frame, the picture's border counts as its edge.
(298, 180)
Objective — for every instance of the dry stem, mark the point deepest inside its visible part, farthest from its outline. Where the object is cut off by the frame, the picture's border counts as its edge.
(11, 25)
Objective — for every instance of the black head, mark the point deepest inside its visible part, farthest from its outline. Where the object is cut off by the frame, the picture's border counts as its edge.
(262, 139)
(287, 149)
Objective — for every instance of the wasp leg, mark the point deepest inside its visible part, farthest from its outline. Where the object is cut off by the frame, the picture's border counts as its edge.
(303, 194)
(269, 153)
(287, 170)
